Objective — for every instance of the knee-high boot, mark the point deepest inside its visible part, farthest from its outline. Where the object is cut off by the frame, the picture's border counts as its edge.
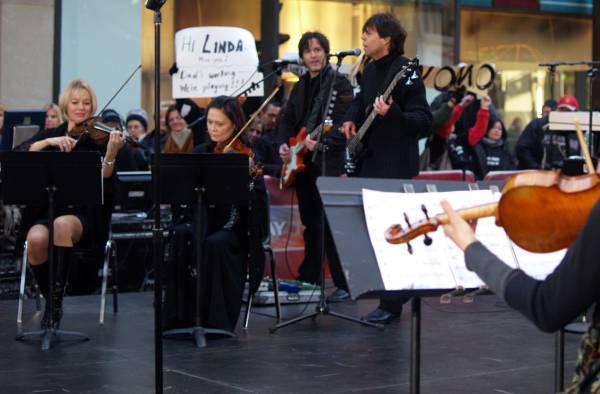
(61, 269)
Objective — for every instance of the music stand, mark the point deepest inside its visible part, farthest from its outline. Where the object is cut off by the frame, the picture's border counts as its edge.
(199, 180)
(49, 180)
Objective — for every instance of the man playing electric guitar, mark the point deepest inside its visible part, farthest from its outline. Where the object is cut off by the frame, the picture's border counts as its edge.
(391, 143)
(305, 108)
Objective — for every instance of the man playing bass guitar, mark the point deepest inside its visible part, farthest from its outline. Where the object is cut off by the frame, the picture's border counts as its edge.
(305, 108)
(391, 143)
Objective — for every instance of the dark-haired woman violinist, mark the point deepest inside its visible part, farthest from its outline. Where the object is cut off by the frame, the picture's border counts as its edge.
(226, 244)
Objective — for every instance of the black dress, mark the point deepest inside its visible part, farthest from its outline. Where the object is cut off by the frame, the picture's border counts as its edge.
(231, 235)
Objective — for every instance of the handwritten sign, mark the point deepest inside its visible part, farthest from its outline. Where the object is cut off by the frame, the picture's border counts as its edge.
(214, 61)
(476, 78)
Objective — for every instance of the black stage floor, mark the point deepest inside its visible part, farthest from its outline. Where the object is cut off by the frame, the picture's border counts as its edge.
(479, 348)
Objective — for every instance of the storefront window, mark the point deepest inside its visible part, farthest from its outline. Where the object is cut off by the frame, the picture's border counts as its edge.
(516, 44)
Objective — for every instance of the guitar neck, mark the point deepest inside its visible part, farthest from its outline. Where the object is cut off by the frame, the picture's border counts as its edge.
(316, 133)
(372, 114)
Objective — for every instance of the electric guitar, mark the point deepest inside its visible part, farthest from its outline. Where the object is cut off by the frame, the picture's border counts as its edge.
(298, 147)
(298, 150)
(354, 147)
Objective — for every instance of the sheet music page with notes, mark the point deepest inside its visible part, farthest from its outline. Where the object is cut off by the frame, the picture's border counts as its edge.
(440, 265)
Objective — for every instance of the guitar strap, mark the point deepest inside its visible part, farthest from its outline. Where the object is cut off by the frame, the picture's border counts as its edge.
(317, 108)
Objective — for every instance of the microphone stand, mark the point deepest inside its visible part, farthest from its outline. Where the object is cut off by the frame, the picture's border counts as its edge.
(157, 231)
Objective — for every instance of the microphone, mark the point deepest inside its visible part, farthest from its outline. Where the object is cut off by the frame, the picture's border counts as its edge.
(285, 62)
(349, 52)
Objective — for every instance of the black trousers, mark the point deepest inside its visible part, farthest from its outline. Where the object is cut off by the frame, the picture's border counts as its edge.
(311, 212)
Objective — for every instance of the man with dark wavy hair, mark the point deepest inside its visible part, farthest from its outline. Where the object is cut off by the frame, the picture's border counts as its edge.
(391, 143)
(305, 109)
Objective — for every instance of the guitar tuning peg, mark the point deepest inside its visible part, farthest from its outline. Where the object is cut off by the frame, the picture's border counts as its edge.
(408, 82)
(414, 75)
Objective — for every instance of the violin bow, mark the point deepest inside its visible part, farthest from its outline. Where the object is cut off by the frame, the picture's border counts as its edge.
(113, 97)
(584, 148)
(121, 88)
(254, 115)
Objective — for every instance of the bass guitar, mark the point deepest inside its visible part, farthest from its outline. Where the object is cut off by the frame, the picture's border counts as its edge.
(354, 147)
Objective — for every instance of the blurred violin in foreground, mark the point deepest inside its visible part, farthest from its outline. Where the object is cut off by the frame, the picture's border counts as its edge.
(541, 211)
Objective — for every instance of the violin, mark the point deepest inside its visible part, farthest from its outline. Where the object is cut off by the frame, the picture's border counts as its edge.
(541, 211)
(97, 131)
(237, 146)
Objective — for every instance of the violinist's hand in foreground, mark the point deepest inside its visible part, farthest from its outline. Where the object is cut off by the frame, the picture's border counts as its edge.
(461, 232)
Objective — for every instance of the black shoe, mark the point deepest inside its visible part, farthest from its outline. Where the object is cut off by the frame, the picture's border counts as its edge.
(339, 295)
(381, 316)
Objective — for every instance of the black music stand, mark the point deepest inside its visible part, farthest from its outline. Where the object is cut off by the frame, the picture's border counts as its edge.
(49, 180)
(199, 180)
(342, 200)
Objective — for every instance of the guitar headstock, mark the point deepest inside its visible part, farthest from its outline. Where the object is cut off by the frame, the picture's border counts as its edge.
(408, 72)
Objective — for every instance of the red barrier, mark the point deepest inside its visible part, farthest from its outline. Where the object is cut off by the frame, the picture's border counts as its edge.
(286, 229)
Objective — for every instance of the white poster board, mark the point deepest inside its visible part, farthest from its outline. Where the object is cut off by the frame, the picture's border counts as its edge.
(214, 61)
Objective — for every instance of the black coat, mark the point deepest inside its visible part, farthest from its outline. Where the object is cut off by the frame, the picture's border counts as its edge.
(537, 147)
(492, 157)
(391, 144)
(303, 109)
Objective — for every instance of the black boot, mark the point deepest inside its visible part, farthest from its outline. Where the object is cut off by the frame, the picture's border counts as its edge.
(61, 269)
(41, 273)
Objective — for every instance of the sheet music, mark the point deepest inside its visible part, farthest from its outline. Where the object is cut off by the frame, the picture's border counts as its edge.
(440, 265)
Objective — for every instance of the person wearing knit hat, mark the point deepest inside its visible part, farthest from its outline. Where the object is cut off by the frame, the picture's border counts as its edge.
(112, 118)
(137, 123)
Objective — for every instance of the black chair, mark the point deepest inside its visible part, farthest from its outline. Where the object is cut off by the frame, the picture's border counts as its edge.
(267, 251)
